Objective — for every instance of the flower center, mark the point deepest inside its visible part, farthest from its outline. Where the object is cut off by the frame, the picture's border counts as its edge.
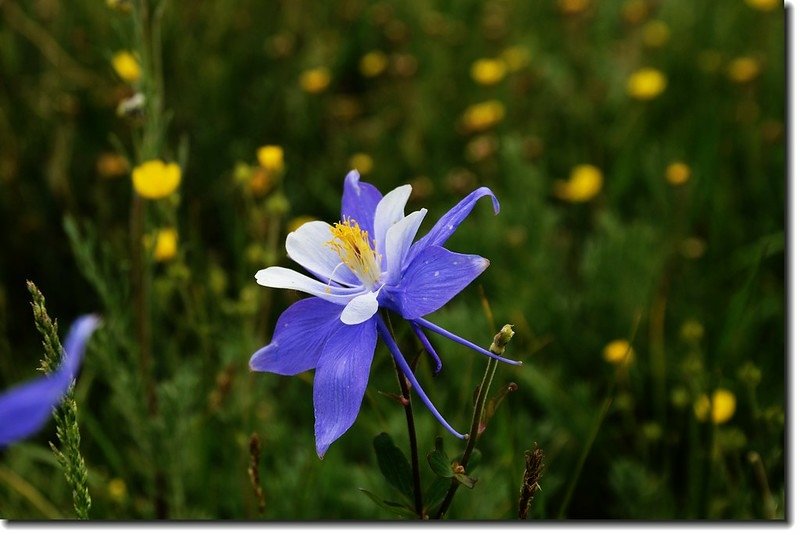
(353, 247)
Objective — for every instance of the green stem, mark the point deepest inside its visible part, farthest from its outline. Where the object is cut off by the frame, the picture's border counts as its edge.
(584, 454)
(474, 431)
(412, 431)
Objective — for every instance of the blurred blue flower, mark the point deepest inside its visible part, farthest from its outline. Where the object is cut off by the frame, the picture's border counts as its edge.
(366, 261)
(26, 408)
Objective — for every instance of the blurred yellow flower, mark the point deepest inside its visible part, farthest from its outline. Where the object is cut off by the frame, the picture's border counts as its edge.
(117, 490)
(361, 162)
(677, 173)
(373, 63)
(126, 66)
(110, 164)
(516, 57)
(585, 182)
(744, 69)
(635, 11)
(155, 179)
(315, 80)
(483, 115)
(763, 5)
(646, 84)
(270, 157)
(618, 352)
(261, 181)
(242, 172)
(123, 6)
(722, 406)
(488, 71)
(297, 222)
(572, 7)
(692, 331)
(481, 147)
(655, 33)
(164, 244)
(693, 247)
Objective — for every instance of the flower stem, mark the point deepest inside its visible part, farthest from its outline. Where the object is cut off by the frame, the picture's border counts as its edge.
(412, 431)
(477, 413)
(476, 428)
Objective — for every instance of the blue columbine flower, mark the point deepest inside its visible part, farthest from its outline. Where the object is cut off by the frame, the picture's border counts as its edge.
(25, 408)
(364, 262)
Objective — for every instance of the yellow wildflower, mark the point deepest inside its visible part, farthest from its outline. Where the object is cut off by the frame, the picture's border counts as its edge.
(655, 33)
(117, 490)
(261, 181)
(572, 7)
(123, 6)
(483, 115)
(618, 352)
(315, 80)
(155, 179)
(242, 172)
(516, 57)
(677, 173)
(722, 406)
(763, 5)
(646, 84)
(635, 11)
(488, 71)
(126, 66)
(110, 164)
(693, 247)
(744, 69)
(270, 157)
(585, 182)
(692, 331)
(297, 222)
(361, 162)
(373, 63)
(164, 244)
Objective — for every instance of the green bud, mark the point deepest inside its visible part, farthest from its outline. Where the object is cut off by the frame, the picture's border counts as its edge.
(501, 339)
(278, 204)
(749, 374)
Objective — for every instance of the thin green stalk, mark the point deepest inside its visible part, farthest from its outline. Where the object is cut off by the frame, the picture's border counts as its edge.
(66, 415)
(14, 482)
(412, 431)
(147, 30)
(585, 453)
(497, 347)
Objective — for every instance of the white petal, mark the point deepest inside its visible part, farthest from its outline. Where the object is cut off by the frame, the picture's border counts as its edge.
(398, 242)
(306, 246)
(360, 308)
(280, 277)
(389, 211)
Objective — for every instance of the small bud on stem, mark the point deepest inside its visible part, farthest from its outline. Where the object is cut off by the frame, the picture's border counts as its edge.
(501, 339)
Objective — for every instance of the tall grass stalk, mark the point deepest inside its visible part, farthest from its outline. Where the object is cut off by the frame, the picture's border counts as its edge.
(66, 415)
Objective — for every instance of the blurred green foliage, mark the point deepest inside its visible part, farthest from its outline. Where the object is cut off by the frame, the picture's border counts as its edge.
(691, 274)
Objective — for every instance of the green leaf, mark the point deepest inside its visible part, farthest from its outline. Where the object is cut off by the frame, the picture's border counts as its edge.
(393, 507)
(438, 461)
(465, 480)
(435, 492)
(393, 464)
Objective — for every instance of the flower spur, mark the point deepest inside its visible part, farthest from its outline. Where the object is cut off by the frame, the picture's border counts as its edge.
(367, 261)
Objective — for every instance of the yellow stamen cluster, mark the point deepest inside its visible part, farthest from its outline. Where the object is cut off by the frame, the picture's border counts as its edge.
(353, 247)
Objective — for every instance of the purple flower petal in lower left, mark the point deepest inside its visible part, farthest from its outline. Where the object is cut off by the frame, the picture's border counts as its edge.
(26, 408)
(341, 380)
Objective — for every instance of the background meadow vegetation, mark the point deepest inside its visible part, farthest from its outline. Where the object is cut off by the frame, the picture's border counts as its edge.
(637, 149)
